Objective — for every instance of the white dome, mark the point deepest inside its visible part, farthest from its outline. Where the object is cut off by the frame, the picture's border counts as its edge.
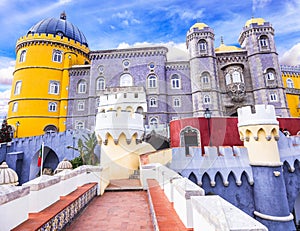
(63, 165)
(7, 175)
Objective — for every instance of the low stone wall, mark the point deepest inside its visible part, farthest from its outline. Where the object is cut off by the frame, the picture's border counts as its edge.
(193, 208)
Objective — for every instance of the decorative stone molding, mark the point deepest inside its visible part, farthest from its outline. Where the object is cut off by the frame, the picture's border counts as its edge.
(274, 218)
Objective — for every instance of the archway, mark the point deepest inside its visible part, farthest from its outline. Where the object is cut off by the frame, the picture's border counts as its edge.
(193, 178)
(189, 137)
(50, 162)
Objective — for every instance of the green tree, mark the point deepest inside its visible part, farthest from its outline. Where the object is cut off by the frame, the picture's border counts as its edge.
(86, 147)
(5, 132)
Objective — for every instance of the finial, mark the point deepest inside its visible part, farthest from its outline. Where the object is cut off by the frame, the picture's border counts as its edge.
(63, 15)
(222, 41)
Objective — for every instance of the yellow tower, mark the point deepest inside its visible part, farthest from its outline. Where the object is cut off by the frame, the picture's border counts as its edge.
(39, 95)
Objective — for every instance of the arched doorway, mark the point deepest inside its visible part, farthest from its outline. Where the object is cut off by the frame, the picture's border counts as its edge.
(189, 136)
(50, 129)
(50, 162)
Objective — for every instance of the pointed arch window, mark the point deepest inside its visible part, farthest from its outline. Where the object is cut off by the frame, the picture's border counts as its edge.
(290, 83)
(100, 84)
(81, 86)
(152, 81)
(153, 102)
(176, 102)
(175, 82)
(206, 99)
(22, 56)
(18, 88)
(14, 107)
(264, 42)
(153, 121)
(79, 125)
(205, 78)
(273, 97)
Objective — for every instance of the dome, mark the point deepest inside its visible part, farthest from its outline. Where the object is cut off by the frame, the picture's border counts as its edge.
(199, 26)
(64, 164)
(259, 21)
(225, 48)
(59, 27)
(7, 175)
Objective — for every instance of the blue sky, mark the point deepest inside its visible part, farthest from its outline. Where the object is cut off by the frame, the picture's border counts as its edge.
(118, 24)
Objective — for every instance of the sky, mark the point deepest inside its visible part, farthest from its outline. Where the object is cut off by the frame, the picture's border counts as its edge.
(114, 24)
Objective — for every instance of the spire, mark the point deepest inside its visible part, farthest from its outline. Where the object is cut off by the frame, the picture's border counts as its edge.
(222, 41)
(63, 15)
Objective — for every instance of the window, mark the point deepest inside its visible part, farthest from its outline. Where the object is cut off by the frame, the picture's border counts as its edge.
(79, 125)
(14, 107)
(153, 121)
(22, 56)
(175, 81)
(205, 78)
(54, 87)
(263, 41)
(57, 56)
(100, 84)
(18, 88)
(289, 83)
(52, 107)
(136, 95)
(270, 75)
(152, 81)
(236, 77)
(206, 99)
(153, 102)
(273, 97)
(126, 80)
(176, 102)
(80, 105)
(228, 79)
(126, 63)
(81, 86)
(202, 45)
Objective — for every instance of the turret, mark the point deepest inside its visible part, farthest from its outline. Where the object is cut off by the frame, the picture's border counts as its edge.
(259, 130)
(204, 81)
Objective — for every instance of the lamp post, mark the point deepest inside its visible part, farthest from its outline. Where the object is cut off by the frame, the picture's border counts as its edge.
(17, 126)
(207, 115)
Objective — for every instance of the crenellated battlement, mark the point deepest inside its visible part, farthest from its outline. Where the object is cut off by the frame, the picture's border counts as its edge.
(118, 122)
(49, 38)
(261, 115)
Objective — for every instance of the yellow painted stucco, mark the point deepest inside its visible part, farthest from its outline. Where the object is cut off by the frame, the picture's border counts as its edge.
(122, 159)
(35, 74)
(293, 94)
(256, 138)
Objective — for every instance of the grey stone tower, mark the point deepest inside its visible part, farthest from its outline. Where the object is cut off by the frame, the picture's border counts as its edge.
(257, 38)
(203, 72)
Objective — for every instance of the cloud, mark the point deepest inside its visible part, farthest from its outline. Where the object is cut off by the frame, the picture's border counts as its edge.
(256, 4)
(127, 18)
(4, 98)
(7, 66)
(292, 56)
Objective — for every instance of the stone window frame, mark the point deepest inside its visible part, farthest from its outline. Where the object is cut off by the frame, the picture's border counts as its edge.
(202, 46)
(153, 118)
(264, 42)
(175, 81)
(54, 87)
(153, 101)
(15, 107)
(82, 86)
(57, 56)
(100, 83)
(80, 105)
(152, 81)
(290, 83)
(22, 56)
(52, 107)
(206, 99)
(273, 97)
(79, 124)
(125, 81)
(18, 87)
(176, 102)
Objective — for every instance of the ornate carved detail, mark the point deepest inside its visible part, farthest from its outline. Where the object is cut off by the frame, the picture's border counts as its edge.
(236, 91)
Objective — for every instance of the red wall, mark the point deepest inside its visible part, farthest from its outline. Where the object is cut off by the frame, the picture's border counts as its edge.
(224, 131)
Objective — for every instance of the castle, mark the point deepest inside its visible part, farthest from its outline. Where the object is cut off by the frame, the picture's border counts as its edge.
(58, 81)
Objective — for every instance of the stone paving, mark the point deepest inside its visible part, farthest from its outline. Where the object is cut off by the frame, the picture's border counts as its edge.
(123, 210)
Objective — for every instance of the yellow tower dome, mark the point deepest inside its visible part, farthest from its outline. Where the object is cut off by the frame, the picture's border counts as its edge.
(258, 21)
(199, 26)
(38, 101)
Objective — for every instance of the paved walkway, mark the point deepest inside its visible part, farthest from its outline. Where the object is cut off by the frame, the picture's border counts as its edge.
(124, 210)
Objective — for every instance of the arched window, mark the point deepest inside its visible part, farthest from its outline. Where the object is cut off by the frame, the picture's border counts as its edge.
(205, 78)
(175, 81)
(202, 45)
(152, 81)
(80, 106)
(18, 87)
(176, 102)
(100, 84)
(152, 102)
(50, 129)
(270, 75)
(57, 56)
(52, 107)
(126, 80)
(273, 97)
(153, 121)
(290, 83)
(79, 125)
(22, 56)
(206, 99)
(14, 107)
(263, 41)
(81, 86)
(54, 87)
